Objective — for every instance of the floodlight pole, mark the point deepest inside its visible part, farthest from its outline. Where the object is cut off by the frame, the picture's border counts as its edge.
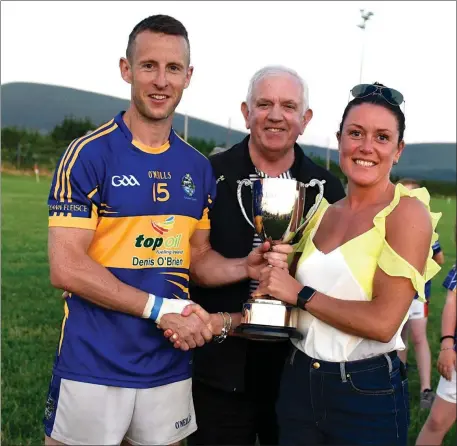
(365, 17)
(327, 160)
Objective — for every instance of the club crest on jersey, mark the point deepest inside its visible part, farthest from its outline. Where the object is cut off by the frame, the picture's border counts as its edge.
(164, 226)
(188, 185)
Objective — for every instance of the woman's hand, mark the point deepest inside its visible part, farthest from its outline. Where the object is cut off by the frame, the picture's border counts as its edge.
(447, 363)
(267, 254)
(278, 283)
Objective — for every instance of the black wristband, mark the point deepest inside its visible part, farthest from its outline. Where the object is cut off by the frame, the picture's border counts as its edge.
(446, 337)
(304, 296)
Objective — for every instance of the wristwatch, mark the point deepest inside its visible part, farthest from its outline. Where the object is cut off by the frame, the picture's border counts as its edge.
(304, 296)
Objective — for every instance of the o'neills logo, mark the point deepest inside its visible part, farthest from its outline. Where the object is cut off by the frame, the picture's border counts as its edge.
(184, 422)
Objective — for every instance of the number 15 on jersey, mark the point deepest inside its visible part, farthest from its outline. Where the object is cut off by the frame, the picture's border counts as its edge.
(160, 192)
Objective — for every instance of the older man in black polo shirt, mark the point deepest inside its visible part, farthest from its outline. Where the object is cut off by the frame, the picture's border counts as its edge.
(236, 382)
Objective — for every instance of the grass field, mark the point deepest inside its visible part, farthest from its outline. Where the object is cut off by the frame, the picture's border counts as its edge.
(32, 311)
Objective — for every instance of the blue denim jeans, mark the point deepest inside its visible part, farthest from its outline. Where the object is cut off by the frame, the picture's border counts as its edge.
(351, 403)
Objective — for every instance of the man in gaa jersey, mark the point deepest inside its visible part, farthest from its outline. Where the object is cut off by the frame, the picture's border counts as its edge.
(128, 209)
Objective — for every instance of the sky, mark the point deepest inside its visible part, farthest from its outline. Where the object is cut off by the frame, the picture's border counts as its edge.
(409, 46)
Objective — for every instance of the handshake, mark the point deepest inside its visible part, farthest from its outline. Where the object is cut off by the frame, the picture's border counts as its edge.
(194, 326)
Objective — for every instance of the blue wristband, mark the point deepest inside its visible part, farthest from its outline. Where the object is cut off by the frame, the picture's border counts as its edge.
(156, 308)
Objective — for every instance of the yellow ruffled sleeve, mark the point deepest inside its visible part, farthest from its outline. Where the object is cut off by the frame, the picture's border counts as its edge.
(392, 263)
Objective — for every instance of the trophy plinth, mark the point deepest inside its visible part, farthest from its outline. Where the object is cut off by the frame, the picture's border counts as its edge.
(267, 319)
(277, 209)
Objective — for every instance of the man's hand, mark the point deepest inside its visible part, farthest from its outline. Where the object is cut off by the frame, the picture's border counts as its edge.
(214, 322)
(191, 330)
(262, 256)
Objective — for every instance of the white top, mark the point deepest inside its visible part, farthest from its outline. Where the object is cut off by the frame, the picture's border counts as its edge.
(347, 272)
(331, 276)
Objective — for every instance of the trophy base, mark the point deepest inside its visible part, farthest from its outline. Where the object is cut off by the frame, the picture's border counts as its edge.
(267, 319)
(270, 333)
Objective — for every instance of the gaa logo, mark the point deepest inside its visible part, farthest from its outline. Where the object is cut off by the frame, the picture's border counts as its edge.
(124, 180)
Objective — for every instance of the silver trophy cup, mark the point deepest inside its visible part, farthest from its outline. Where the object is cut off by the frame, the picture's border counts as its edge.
(277, 210)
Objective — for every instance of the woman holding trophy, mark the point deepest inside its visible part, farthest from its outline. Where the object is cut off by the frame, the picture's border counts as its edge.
(354, 274)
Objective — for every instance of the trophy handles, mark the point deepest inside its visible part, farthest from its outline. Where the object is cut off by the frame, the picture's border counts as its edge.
(242, 183)
(315, 206)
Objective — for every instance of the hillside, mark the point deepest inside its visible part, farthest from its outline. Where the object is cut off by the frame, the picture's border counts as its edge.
(432, 161)
(41, 107)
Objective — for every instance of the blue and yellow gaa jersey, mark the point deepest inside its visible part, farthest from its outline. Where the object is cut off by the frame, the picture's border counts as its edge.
(436, 249)
(144, 205)
(451, 280)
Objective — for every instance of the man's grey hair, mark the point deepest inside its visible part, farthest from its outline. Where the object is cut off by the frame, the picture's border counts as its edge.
(275, 70)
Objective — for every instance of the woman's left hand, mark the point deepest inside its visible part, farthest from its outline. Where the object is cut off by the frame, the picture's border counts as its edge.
(447, 363)
(278, 283)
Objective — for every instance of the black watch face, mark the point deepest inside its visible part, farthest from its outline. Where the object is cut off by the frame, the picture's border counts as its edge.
(306, 293)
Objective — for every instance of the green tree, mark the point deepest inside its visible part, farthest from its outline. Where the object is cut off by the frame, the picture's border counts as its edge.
(21, 147)
(333, 167)
(202, 145)
(71, 128)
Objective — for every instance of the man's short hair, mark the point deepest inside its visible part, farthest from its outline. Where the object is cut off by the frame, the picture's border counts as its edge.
(274, 70)
(164, 24)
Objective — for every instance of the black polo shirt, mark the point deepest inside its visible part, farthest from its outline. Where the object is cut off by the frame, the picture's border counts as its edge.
(224, 365)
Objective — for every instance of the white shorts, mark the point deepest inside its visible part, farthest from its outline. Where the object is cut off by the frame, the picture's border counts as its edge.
(447, 389)
(418, 310)
(79, 413)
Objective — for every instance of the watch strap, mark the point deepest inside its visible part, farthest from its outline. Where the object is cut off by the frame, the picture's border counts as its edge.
(304, 296)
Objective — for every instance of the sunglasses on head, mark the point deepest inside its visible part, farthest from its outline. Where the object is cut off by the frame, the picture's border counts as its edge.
(393, 97)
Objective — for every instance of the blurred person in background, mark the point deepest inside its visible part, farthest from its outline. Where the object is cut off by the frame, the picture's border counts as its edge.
(416, 326)
(356, 270)
(443, 413)
(36, 170)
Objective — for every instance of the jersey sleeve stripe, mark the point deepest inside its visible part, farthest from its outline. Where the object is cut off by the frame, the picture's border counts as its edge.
(77, 152)
(184, 276)
(64, 321)
(68, 221)
(92, 193)
(183, 288)
(61, 172)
